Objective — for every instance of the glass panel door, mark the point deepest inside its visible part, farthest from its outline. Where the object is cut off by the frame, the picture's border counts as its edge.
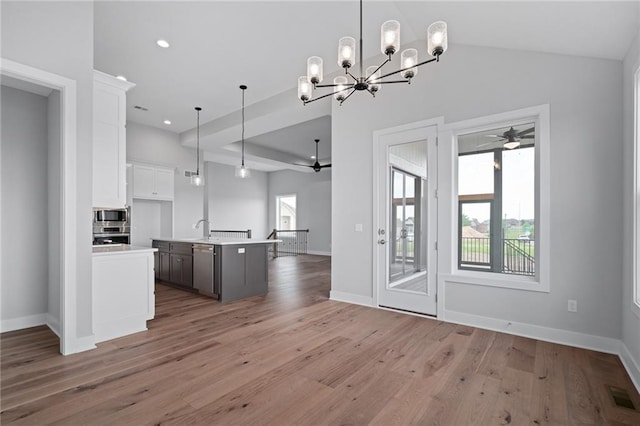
(406, 259)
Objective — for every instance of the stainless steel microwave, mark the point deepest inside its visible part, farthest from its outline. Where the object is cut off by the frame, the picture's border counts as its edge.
(114, 217)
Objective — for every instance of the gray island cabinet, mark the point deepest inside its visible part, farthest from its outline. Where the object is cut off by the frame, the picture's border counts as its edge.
(227, 269)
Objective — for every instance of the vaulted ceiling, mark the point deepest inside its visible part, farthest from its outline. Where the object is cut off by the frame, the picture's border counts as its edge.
(216, 46)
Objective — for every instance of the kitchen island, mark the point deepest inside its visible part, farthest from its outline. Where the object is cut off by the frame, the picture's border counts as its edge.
(123, 290)
(223, 268)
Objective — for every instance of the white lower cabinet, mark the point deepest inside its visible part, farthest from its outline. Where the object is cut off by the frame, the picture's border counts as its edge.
(153, 183)
(123, 293)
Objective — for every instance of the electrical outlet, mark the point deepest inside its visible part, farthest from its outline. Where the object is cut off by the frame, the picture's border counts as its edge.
(572, 305)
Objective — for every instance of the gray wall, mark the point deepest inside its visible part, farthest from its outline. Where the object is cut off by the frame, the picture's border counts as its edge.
(585, 97)
(236, 203)
(150, 145)
(313, 200)
(31, 36)
(54, 207)
(232, 203)
(630, 322)
(24, 196)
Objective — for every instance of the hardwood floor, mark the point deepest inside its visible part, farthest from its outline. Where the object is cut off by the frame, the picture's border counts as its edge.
(295, 357)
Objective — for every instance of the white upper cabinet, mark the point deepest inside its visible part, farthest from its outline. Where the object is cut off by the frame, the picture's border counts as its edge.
(109, 140)
(153, 183)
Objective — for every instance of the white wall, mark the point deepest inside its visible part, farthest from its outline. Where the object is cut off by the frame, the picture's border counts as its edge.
(24, 218)
(630, 316)
(237, 204)
(150, 145)
(31, 36)
(313, 207)
(585, 97)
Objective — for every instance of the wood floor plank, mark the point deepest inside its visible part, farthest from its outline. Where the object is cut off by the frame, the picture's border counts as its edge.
(293, 356)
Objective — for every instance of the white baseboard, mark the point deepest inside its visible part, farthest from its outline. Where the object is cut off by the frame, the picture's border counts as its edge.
(54, 324)
(119, 327)
(79, 344)
(319, 253)
(547, 334)
(631, 364)
(13, 324)
(356, 299)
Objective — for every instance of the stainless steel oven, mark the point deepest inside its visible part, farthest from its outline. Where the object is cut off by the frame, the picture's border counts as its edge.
(111, 226)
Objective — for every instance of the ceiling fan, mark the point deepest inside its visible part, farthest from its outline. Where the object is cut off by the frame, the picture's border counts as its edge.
(512, 137)
(316, 166)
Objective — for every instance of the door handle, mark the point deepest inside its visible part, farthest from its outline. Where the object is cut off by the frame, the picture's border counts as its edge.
(381, 241)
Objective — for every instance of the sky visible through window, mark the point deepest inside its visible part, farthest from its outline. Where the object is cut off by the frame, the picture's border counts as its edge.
(475, 176)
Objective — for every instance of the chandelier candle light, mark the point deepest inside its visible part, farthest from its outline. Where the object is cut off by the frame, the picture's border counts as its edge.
(371, 79)
(197, 179)
(241, 171)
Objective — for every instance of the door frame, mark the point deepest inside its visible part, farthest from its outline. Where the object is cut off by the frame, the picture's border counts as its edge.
(410, 131)
(69, 342)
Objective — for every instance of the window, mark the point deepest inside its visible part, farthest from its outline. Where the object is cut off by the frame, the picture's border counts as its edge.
(496, 197)
(286, 212)
(502, 186)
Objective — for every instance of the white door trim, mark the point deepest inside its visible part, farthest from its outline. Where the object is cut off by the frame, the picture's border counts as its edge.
(69, 342)
(377, 187)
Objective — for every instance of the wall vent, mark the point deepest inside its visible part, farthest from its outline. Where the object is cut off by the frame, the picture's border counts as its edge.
(189, 173)
(141, 108)
(621, 397)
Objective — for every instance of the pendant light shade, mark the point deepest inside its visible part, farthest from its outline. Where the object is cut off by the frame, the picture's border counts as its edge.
(197, 179)
(243, 172)
(314, 69)
(390, 37)
(346, 52)
(373, 75)
(437, 38)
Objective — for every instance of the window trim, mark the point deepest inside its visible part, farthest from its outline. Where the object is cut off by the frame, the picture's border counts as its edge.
(635, 303)
(540, 116)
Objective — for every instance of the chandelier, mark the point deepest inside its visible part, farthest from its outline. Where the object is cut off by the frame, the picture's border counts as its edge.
(372, 78)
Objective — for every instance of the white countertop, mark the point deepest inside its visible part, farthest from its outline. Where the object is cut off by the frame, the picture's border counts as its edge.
(110, 249)
(217, 241)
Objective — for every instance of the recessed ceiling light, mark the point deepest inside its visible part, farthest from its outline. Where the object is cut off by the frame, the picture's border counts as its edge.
(167, 122)
(162, 43)
(121, 77)
(313, 157)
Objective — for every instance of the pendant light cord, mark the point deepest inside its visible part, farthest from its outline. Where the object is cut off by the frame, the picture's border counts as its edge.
(361, 73)
(243, 126)
(198, 141)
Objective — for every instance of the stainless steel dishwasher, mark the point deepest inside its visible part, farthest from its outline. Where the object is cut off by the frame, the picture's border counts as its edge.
(204, 270)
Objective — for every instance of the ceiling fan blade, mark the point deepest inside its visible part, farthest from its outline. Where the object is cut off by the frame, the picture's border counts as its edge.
(526, 131)
(528, 137)
(325, 165)
(302, 165)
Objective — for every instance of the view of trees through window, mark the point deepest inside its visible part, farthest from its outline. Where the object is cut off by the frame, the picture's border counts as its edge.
(496, 200)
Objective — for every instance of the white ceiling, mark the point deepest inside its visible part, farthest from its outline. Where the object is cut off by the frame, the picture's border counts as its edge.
(216, 46)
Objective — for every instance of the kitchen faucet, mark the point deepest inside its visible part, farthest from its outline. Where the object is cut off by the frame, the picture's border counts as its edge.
(197, 225)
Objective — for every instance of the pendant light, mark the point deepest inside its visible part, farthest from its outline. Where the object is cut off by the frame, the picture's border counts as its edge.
(241, 171)
(197, 179)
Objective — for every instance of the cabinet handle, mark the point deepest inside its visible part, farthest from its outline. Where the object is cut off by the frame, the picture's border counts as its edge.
(179, 260)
